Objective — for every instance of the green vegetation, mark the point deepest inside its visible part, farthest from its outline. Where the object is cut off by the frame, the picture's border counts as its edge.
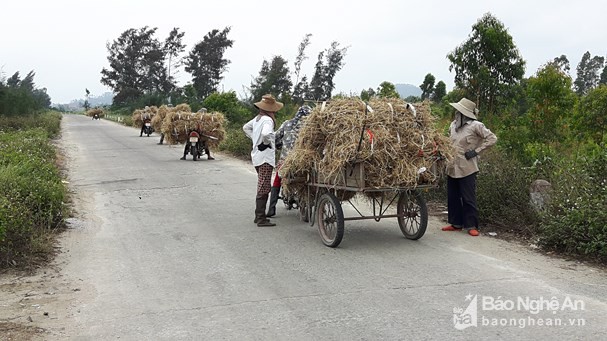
(32, 195)
(20, 96)
(576, 221)
(548, 126)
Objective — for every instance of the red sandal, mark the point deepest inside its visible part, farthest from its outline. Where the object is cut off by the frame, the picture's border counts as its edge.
(451, 228)
(473, 232)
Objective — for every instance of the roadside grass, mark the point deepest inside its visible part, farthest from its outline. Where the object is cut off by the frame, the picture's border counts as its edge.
(122, 116)
(32, 195)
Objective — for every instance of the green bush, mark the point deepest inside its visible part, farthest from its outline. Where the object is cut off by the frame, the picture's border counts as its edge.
(576, 222)
(32, 195)
(236, 143)
(503, 193)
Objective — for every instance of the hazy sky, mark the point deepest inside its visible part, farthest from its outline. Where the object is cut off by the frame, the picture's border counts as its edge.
(64, 41)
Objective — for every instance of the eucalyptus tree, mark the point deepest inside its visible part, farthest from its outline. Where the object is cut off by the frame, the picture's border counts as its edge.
(588, 76)
(487, 64)
(136, 65)
(206, 62)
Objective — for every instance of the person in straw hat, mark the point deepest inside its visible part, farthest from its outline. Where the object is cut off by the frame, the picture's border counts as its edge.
(469, 138)
(261, 132)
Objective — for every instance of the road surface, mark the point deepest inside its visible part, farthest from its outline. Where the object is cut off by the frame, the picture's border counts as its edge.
(164, 249)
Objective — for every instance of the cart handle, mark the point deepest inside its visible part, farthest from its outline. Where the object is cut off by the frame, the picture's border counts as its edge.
(362, 133)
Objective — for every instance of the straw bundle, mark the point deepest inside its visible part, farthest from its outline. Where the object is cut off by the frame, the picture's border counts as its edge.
(178, 123)
(143, 114)
(94, 111)
(159, 117)
(398, 143)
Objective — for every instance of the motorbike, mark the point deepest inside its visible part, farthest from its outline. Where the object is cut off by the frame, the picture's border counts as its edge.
(96, 116)
(196, 144)
(147, 129)
(293, 203)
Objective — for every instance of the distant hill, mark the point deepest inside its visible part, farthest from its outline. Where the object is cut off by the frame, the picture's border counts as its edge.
(104, 99)
(94, 101)
(406, 90)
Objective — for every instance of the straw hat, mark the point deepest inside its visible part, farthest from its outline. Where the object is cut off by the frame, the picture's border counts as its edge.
(268, 103)
(466, 107)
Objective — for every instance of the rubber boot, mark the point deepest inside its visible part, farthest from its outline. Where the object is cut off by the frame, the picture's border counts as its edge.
(183, 157)
(273, 200)
(161, 138)
(260, 211)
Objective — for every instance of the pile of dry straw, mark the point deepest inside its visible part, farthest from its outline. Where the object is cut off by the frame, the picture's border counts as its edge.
(147, 113)
(94, 111)
(176, 122)
(398, 142)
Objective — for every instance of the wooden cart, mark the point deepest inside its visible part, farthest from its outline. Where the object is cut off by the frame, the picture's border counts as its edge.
(321, 203)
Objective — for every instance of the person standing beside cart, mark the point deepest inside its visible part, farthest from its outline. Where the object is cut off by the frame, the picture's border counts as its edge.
(261, 132)
(469, 138)
(285, 138)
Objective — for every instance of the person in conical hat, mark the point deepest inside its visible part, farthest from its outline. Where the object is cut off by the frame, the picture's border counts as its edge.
(261, 132)
(469, 137)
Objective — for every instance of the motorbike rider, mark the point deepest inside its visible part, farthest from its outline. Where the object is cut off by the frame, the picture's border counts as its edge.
(201, 138)
(147, 119)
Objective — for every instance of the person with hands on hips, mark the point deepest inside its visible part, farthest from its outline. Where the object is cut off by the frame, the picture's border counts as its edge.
(469, 138)
(261, 132)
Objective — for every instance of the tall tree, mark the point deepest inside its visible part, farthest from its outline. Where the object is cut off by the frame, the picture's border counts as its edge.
(603, 79)
(591, 115)
(173, 46)
(206, 62)
(487, 63)
(366, 95)
(300, 90)
(427, 86)
(273, 79)
(551, 100)
(329, 62)
(317, 86)
(301, 56)
(387, 90)
(440, 90)
(20, 96)
(14, 81)
(588, 73)
(27, 83)
(562, 63)
(136, 65)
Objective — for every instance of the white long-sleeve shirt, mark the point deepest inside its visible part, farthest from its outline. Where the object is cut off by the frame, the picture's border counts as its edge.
(261, 130)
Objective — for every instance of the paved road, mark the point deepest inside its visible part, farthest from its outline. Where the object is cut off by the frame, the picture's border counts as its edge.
(166, 249)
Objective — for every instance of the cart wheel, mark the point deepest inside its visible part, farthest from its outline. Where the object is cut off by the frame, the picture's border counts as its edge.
(330, 220)
(413, 214)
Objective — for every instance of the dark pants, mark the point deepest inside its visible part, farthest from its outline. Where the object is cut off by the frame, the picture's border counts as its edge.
(461, 201)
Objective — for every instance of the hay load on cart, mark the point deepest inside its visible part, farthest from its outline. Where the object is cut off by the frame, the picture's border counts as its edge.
(396, 142)
(178, 123)
(383, 150)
